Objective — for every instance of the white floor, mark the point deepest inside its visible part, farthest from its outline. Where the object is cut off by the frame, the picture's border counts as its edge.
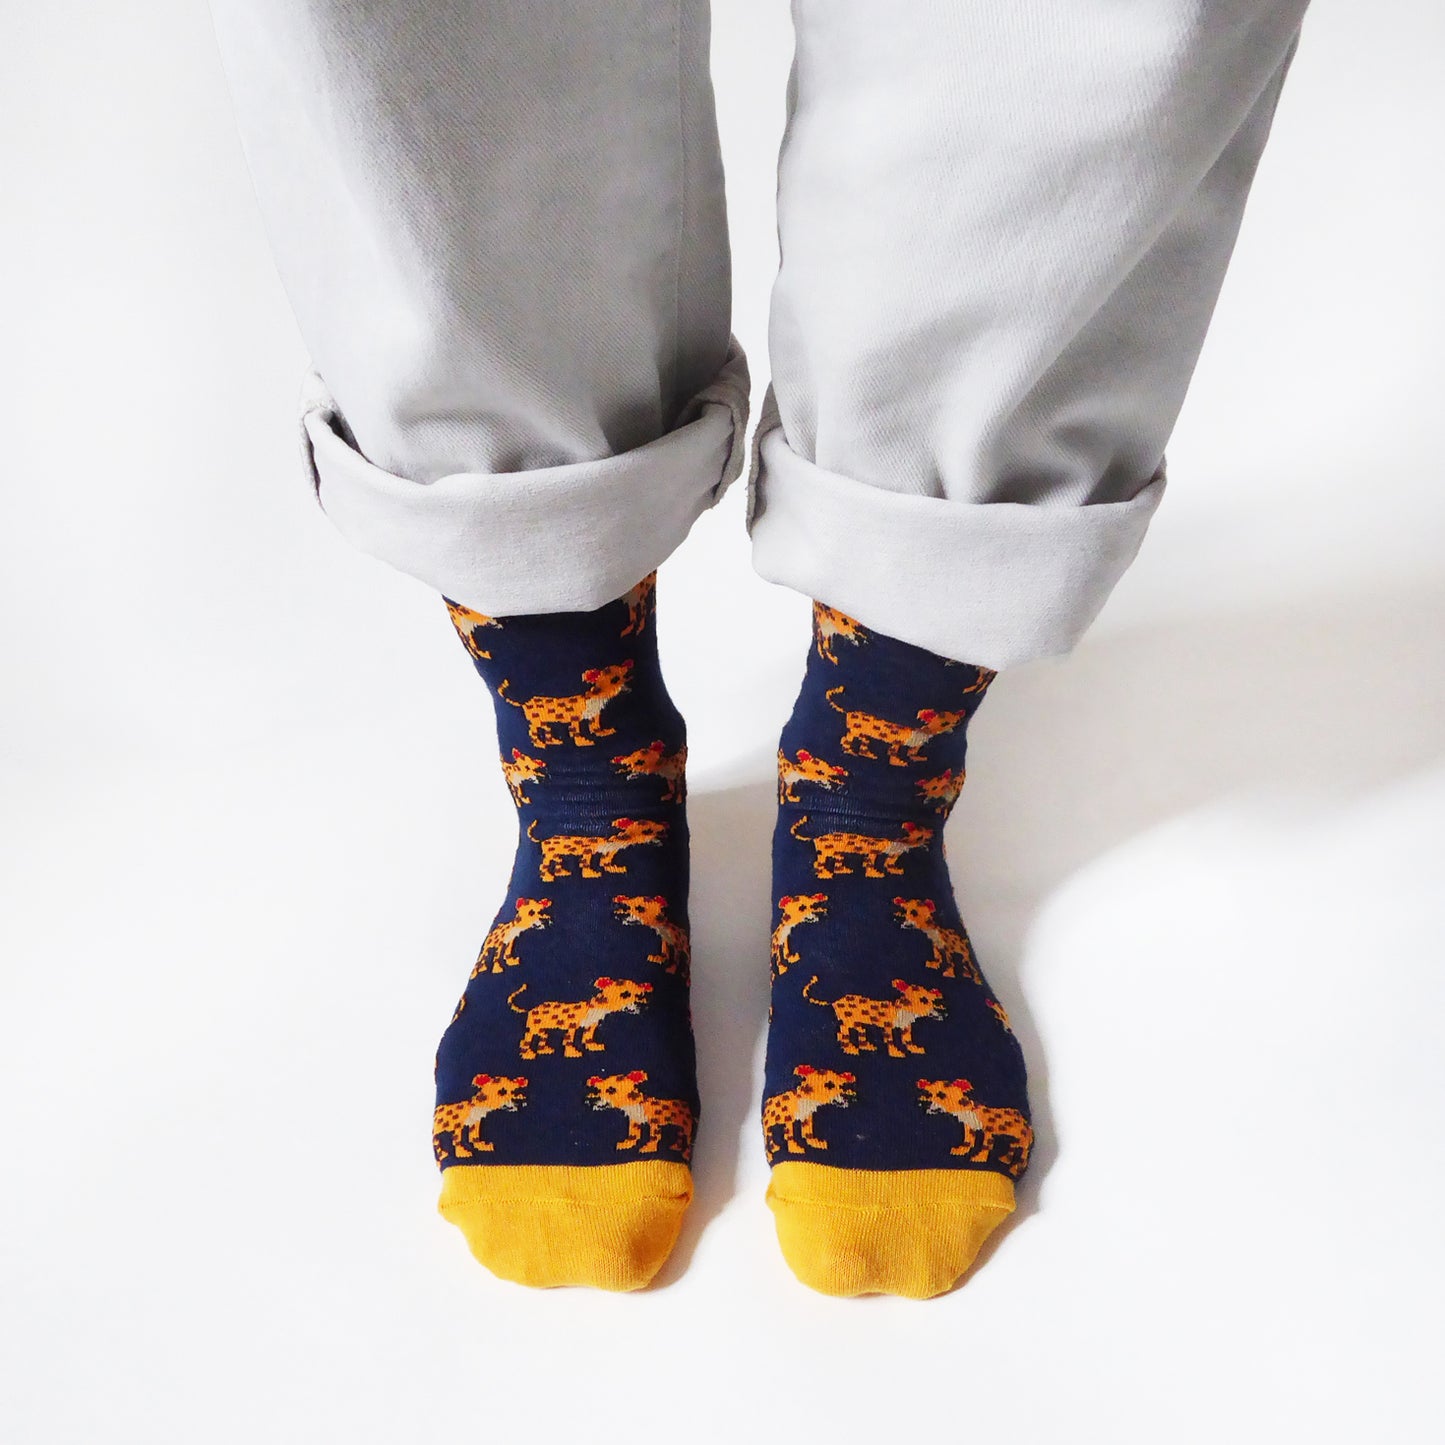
(252, 832)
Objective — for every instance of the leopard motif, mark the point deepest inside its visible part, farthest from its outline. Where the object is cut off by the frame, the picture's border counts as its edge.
(950, 945)
(990, 1135)
(830, 624)
(674, 950)
(468, 624)
(790, 1114)
(519, 770)
(463, 1121)
(575, 712)
(654, 761)
(592, 851)
(1000, 1013)
(982, 676)
(500, 946)
(576, 1023)
(879, 856)
(805, 768)
(794, 909)
(648, 1118)
(892, 1017)
(942, 790)
(904, 742)
(641, 604)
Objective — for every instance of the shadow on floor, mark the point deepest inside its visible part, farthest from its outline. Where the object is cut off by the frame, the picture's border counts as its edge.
(1321, 700)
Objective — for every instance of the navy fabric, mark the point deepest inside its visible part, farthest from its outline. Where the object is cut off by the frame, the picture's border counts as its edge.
(862, 975)
(575, 983)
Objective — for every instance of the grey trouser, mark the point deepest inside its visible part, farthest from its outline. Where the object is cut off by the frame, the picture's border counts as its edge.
(1003, 225)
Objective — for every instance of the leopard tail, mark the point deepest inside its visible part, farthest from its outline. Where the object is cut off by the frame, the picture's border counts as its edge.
(502, 693)
(831, 703)
(513, 995)
(801, 837)
(820, 1002)
(530, 833)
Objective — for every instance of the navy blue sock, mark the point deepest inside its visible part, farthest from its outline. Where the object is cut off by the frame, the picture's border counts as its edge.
(886, 1050)
(572, 1044)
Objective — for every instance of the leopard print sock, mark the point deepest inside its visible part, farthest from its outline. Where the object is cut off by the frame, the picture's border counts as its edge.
(566, 1093)
(895, 1107)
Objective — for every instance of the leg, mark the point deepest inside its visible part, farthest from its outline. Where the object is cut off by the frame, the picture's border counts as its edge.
(1029, 209)
(502, 230)
(501, 227)
(1003, 226)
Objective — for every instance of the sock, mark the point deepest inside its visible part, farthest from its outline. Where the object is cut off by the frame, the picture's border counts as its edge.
(895, 1107)
(566, 1092)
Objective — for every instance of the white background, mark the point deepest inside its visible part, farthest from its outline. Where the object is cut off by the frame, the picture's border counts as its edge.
(253, 831)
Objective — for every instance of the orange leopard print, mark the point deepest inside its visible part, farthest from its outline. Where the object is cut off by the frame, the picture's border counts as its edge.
(594, 855)
(576, 1023)
(648, 1119)
(641, 604)
(999, 1012)
(789, 1115)
(892, 1017)
(521, 770)
(463, 1121)
(571, 714)
(500, 945)
(654, 761)
(828, 624)
(468, 624)
(805, 768)
(990, 1136)
(879, 856)
(674, 950)
(950, 947)
(795, 909)
(943, 790)
(904, 742)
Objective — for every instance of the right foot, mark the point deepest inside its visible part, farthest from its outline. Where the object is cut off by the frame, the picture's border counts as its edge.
(566, 1093)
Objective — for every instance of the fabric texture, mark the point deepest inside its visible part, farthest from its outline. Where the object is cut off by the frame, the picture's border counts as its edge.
(1002, 230)
(571, 1048)
(887, 1051)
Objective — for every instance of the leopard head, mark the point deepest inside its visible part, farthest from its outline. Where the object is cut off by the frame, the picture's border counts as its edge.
(499, 1092)
(802, 907)
(946, 1096)
(616, 1091)
(532, 912)
(916, 912)
(827, 1086)
(639, 909)
(640, 830)
(609, 681)
(935, 723)
(926, 1002)
(619, 995)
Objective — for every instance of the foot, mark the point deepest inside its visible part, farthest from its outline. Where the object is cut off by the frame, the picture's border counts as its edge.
(576, 946)
(896, 1108)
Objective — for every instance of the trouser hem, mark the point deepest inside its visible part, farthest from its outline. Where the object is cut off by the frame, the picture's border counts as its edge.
(553, 539)
(993, 584)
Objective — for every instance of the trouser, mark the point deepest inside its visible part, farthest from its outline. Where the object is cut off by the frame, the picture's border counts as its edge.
(1002, 227)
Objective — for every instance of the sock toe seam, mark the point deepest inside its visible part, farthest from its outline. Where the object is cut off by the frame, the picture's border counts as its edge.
(894, 1208)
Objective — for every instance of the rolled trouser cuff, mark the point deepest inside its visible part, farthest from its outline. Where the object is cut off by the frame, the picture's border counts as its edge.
(993, 583)
(551, 539)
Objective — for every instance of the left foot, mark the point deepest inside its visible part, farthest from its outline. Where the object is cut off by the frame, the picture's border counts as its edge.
(895, 1108)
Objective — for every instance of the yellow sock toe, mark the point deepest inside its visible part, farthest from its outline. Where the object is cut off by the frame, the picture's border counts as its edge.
(910, 1232)
(609, 1226)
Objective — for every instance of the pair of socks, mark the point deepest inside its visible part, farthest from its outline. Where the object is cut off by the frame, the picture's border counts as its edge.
(895, 1113)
